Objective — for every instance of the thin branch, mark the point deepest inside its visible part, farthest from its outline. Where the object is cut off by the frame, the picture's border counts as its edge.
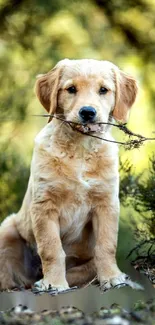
(144, 258)
(152, 241)
(130, 144)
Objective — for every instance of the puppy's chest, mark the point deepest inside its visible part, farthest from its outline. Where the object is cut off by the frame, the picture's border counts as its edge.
(85, 172)
(78, 181)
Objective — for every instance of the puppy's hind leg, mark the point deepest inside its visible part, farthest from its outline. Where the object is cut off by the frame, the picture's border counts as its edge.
(82, 274)
(12, 248)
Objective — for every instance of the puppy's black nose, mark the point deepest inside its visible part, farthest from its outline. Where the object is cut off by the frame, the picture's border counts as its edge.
(87, 114)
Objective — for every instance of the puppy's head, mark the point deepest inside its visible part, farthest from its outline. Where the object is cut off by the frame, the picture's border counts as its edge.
(87, 91)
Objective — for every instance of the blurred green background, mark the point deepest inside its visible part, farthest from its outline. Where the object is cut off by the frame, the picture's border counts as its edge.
(34, 35)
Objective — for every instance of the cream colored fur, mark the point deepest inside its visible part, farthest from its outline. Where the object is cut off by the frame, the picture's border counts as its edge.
(71, 208)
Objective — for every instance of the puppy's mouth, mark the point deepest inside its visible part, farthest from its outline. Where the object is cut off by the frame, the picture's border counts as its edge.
(89, 128)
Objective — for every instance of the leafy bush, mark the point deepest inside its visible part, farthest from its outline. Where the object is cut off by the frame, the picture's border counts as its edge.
(14, 176)
(139, 191)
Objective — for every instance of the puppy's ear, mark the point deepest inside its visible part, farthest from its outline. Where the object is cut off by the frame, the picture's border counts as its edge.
(46, 89)
(126, 91)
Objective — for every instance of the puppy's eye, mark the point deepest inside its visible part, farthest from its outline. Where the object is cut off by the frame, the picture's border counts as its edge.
(72, 90)
(103, 91)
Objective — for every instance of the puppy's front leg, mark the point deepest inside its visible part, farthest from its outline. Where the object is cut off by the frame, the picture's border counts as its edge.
(105, 224)
(47, 234)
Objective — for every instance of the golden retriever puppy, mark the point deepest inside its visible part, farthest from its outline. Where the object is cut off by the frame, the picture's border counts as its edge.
(66, 230)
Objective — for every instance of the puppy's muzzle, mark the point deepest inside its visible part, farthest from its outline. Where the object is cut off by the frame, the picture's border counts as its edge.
(87, 114)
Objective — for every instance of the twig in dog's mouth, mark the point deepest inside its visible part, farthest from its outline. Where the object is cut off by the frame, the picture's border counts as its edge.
(89, 130)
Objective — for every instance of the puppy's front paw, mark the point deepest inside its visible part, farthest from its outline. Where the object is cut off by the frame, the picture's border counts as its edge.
(45, 285)
(119, 281)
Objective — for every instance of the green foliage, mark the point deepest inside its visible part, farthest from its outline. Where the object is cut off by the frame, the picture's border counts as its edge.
(13, 181)
(140, 192)
(145, 192)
